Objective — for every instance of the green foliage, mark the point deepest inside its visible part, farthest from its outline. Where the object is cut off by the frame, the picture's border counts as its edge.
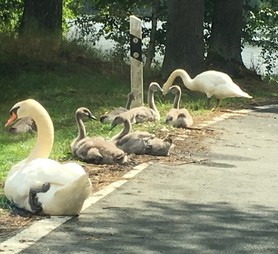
(10, 15)
(71, 9)
(114, 17)
(261, 30)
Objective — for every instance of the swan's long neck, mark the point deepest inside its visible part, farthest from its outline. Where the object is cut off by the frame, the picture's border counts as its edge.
(176, 103)
(151, 103)
(187, 81)
(124, 131)
(80, 126)
(45, 134)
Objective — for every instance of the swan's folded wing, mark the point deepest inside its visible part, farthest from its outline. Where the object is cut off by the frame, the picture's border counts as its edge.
(69, 199)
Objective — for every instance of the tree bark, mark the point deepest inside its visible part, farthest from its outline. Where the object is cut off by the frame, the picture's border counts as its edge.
(224, 52)
(184, 38)
(42, 17)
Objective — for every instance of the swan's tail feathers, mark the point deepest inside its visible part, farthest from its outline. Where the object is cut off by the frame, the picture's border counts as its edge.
(248, 96)
(69, 199)
(245, 95)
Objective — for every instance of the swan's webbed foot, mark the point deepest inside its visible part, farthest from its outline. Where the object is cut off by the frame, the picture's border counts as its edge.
(34, 203)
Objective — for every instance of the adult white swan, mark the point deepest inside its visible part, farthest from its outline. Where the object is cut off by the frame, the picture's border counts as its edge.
(39, 184)
(212, 83)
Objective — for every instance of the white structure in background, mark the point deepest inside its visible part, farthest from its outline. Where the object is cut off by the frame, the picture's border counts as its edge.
(250, 55)
(253, 60)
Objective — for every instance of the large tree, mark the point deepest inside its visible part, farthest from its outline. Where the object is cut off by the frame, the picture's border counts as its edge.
(224, 52)
(43, 17)
(184, 38)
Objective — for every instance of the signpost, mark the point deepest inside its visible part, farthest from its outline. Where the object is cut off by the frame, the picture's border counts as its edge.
(136, 63)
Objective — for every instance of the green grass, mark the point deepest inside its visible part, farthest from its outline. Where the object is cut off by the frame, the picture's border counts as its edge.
(62, 86)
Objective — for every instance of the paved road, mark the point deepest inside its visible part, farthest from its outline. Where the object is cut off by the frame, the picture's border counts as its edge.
(226, 204)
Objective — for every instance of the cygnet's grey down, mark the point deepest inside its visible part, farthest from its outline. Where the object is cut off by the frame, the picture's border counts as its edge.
(145, 114)
(139, 142)
(178, 117)
(109, 117)
(94, 149)
(23, 125)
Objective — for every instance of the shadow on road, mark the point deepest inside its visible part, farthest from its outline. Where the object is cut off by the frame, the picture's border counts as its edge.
(163, 227)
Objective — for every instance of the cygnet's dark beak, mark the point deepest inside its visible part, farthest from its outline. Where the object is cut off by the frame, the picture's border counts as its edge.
(113, 125)
(92, 117)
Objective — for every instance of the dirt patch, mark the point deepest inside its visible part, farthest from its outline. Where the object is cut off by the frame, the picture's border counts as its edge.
(186, 143)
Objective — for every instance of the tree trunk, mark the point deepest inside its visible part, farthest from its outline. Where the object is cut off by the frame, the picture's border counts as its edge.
(224, 52)
(184, 38)
(42, 17)
(151, 48)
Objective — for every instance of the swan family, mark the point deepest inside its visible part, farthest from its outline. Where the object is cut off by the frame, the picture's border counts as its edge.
(41, 185)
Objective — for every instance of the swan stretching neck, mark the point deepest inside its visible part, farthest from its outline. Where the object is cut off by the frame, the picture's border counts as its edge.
(212, 83)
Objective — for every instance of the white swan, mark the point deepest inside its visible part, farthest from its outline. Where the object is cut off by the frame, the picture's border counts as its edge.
(212, 83)
(178, 117)
(41, 185)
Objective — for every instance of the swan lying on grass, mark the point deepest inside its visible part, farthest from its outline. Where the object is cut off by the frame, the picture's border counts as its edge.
(39, 184)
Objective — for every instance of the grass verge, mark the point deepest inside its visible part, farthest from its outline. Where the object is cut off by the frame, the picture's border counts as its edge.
(63, 86)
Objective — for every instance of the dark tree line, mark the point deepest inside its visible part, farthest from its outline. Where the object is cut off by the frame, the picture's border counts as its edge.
(186, 44)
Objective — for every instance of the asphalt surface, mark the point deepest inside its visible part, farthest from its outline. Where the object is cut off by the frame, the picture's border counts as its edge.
(227, 203)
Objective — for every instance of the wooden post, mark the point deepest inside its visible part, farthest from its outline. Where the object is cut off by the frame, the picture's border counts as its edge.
(136, 63)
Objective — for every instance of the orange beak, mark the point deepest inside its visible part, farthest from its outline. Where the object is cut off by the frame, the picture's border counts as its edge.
(11, 119)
